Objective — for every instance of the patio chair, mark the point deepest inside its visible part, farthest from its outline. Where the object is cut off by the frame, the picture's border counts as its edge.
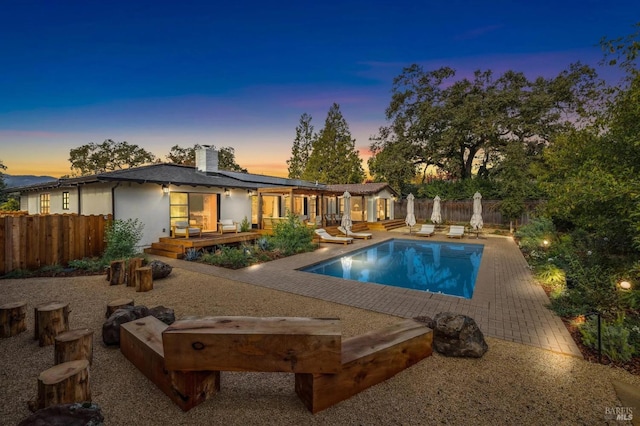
(181, 228)
(363, 235)
(227, 225)
(456, 231)
(325, 237)
(426, 230)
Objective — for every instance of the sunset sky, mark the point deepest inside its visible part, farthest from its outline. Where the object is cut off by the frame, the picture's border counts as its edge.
(240, 74)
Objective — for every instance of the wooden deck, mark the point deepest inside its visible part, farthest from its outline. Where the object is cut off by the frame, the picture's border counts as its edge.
(176, 247)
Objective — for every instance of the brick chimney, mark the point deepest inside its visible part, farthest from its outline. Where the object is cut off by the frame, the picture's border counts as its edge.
(206, 159)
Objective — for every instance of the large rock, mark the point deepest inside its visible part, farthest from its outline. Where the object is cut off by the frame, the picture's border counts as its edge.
(111, 327)
(77, 414)
(159, 269)
(456, 335)
(166, 315)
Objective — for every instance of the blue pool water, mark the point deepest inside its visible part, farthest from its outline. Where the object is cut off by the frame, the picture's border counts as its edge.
(437, 267)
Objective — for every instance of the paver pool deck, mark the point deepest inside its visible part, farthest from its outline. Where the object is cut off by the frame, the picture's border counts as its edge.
(506, 304)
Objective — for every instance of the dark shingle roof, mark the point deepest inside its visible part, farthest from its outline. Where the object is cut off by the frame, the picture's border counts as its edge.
(175, 174)
(362, 188)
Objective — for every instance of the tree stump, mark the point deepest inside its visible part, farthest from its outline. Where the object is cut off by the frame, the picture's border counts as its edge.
(74, 345)
(144, 280)
(51, 319)
(114, 305)
(12, 318)
(117, 272)
(64, 383)
(132, 278)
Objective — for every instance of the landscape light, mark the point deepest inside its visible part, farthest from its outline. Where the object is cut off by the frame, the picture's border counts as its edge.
(165, 189)
(625, 285)
(227, 193)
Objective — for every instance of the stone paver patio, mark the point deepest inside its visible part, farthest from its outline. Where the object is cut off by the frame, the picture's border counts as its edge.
(506, 304)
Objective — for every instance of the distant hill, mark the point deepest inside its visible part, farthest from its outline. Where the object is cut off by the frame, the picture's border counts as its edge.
(24, 180)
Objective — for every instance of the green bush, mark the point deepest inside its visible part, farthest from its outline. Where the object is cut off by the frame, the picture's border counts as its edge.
(551, 277)
(291, 236)
(245, 226)
(229, 257)
(88, 264)
(614, 337)
(122, 237)
(531, 236)
(192, 254)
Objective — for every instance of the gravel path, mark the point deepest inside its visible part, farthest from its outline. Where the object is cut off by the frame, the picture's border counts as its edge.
(511, 384)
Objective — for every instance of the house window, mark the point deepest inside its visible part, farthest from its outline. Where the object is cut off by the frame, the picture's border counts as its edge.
(65, 201)
(45, 202)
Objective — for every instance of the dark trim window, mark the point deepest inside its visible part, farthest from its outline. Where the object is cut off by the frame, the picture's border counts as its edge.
(45, 203)
(65, 201)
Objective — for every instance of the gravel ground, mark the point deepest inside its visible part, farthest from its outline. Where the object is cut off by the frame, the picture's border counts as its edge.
(511, 384)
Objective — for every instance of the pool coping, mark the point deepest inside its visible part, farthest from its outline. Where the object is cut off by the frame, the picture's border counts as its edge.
(506, 304)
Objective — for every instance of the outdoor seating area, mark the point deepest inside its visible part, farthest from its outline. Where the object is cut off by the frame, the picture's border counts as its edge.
(325, 237)
(182, 228)
(227, 225)
(426, 230)
(456, 231)
(347, 233)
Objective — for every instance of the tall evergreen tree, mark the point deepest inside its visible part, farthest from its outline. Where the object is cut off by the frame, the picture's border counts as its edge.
(334, 158)
(302, 146)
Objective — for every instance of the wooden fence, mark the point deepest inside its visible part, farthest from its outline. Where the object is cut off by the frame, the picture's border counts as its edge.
(461, 211)
(33, 241)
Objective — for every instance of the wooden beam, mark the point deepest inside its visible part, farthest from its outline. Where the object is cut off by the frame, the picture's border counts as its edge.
(293, 345)
(141, 343)
(366, 360)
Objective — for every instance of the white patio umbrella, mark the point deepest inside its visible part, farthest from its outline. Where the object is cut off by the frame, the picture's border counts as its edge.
(411, 218)
(476, 218)
(346, 216)
(436, 217)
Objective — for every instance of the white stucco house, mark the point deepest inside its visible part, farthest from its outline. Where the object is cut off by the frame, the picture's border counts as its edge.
(160, 194)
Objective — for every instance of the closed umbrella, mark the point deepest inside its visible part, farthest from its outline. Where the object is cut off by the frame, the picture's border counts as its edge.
(411, 218)
(346, 216)
(436, 217)
(476, 218)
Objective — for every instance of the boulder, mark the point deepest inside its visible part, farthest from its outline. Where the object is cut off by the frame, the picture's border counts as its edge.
(111, 327)
(159, 269)
(456, 335)
(166, 315)
(76, 414)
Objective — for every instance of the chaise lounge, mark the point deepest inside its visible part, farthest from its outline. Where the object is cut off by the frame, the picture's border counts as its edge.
(346, 232)
(426, 230)
(325, 237)
(181, 228)
(456, 231)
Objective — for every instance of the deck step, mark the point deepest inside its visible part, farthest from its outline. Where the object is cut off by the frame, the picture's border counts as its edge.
(164, 253)
(175, 248)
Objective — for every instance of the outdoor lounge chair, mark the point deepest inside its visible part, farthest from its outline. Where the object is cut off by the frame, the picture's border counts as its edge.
(363, 235)
(426, 230)
(325, 237)
(181, 228)
(227, 225)
(456, 231)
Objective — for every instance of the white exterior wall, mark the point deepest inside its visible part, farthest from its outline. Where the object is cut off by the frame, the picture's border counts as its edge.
(147, 203)
(236, 206)
(96, 198)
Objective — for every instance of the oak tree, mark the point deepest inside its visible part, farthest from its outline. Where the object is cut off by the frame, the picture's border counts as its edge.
(108, 156)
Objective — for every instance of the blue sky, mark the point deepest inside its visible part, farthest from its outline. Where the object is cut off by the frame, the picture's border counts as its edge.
(159, 73)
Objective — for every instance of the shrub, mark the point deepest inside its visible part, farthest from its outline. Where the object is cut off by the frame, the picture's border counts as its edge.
(614, 337)
(88, 264)
(245, 226)
(531, 236)
(552, 277)
(122, 237)
(192, 254)
(291, 236)
(229, 257)
(264, 244)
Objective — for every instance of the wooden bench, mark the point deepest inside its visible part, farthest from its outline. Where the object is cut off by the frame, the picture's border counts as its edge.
(366, 360)
(271, 344)
(141, 343)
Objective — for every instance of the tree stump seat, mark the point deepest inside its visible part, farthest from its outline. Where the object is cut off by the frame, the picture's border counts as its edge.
(74, 345)
(144, 279)
(114, 305)
(12, 318)
(64, 383)
(51, 319)
(367, 360)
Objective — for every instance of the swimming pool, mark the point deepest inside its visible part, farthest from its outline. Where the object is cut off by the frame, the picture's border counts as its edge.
(437, 267)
